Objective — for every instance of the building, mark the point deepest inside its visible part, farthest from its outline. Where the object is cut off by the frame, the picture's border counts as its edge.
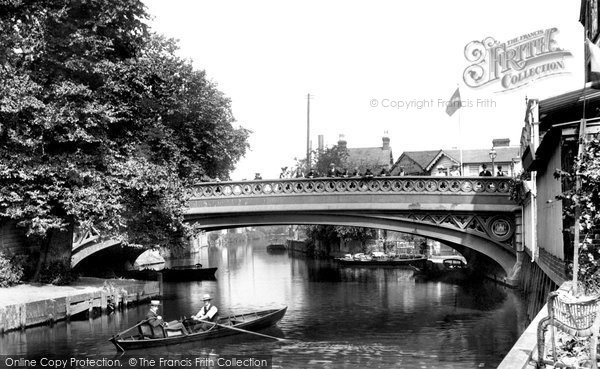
(373, 158)
(549, 141)
(448, 162)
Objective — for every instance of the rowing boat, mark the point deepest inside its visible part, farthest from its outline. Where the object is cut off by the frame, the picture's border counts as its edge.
(143, 335)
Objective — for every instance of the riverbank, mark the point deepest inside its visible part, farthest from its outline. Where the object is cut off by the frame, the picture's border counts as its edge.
(29, 305)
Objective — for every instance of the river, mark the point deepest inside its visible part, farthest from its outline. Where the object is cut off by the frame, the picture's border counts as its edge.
(336, 318)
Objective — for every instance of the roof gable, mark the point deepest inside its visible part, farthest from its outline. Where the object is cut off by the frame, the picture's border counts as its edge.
(421, 158)
(439, 156)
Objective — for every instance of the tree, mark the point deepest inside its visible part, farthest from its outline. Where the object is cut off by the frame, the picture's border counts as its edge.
(102, 125)
(361, 234)
(322, 159)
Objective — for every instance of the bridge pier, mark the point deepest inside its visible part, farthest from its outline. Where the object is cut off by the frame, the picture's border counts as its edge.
(514, 276)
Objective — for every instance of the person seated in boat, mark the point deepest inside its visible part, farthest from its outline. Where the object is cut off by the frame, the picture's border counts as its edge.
(208, 312)
(156, 320)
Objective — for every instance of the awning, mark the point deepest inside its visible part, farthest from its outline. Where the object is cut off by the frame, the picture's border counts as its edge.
(568, 107)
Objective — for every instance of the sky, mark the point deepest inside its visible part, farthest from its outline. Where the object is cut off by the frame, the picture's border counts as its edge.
(370, 66)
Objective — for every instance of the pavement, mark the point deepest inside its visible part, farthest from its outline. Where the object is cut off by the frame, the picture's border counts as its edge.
(24, 293)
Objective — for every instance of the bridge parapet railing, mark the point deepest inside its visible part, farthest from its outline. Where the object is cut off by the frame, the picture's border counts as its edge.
(299, 186)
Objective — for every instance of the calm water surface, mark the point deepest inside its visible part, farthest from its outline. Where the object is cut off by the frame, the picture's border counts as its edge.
(336, 318)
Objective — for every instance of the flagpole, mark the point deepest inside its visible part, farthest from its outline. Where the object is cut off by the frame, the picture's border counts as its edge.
(462, 171)
(580, 149)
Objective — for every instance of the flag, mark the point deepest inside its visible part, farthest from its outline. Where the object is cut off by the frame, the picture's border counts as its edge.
(594, 60)
(454, 104)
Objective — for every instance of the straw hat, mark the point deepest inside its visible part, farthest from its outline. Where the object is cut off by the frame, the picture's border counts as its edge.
(206, 297)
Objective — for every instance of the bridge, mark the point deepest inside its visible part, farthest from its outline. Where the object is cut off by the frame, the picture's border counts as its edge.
(89, 242)
(472, 212)
(463, 212)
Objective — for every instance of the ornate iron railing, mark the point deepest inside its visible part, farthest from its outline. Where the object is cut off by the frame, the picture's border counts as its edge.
(463, 185)
(82, 238)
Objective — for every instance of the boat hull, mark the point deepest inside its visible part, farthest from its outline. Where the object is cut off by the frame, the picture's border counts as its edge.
(276, 248)
(173, 275)
(250, 322)
(416, 262)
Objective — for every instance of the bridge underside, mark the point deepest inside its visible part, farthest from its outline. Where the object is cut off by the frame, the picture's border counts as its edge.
(473, 237)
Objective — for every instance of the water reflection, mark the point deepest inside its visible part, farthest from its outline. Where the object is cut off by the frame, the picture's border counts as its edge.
(337, 317)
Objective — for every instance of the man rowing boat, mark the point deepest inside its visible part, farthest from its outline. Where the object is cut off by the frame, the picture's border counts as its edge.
(208, 312)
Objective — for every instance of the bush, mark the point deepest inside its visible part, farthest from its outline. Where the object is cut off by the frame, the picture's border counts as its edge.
(517, 190)
(57, 273)
(11, 272)
(582, 203)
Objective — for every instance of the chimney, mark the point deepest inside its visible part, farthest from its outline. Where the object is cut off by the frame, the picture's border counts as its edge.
(500, 142)
(321, 143)
(342, 142)
(386, 141)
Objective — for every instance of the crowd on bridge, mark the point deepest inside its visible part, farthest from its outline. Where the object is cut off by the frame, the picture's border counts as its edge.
(337, 172)
(332, 172)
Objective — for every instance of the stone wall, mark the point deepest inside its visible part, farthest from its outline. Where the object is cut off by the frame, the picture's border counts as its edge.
(13, 241)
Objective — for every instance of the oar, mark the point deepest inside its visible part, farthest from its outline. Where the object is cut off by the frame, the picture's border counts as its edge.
(241, 330)
(116, 336)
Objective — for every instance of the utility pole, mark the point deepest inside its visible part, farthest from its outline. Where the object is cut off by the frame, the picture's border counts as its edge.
(308, 164)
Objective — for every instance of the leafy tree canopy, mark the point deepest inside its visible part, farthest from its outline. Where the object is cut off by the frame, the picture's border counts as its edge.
(322, 159)
(101, 124)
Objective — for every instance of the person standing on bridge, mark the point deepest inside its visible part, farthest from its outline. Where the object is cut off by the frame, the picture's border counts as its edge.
(208, 312)
(332, 172)
(485, 172)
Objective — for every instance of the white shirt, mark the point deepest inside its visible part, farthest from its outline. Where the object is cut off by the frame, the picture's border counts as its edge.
(212, 310)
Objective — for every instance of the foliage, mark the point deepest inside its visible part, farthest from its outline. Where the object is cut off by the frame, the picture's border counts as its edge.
(57, 272)
(584, 204)
(10, 271)
(356, 233)
(517, 190)
(324, 233)
(102, 124)
(322, 159)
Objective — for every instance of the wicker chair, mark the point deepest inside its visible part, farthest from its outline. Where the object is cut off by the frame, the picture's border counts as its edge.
(579, 319)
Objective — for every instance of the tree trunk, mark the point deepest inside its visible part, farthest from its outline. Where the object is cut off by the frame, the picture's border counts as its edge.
(42, 258)
(56, 248)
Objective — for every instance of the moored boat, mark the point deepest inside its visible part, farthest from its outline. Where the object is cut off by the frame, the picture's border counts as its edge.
(175, 274)
(143, 335)
(276, 248)
(451, 270)
(398, 261)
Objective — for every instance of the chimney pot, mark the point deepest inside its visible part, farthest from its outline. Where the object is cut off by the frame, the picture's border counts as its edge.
(386, 142)
(500, 142)
(342, 142)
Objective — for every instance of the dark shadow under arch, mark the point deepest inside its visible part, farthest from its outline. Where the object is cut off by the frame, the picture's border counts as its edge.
(498, 252)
